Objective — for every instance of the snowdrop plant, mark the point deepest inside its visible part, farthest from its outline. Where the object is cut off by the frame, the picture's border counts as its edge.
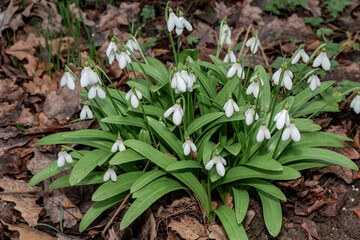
(144, 147)
(68, 80)
(355, 103)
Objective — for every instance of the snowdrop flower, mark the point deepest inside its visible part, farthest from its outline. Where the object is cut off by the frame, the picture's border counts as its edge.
(88, 76)
(173, 21)
(236, 68)
(134, 99)
(230, 56)
(322, 60)
(253, 43)
(292, 131)
(263, 133)
(188, 145)
(62, 157)
(355, 103)
(184, 23)
(177, 112)
(86, 111)
(190, 82)
(254, 87)
(111, 51)
(220, 163)
(314, 82)
(287, 78)
(249, 116)
(132, 45)
(282, 118)
(69, 80)
(118, 145)
(110, 173)
(96, 89)
(300, 54)
(225, 34)
(123, 59)
(178, 82)
(230, 106)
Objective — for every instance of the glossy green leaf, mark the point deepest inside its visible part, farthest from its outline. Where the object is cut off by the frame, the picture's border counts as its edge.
(92, 178)
(241, 202)
(272, 213)
(183, 164)
(264, 186)
(193, 53)
(126, 156)
(125, 120)
(203, 121)
(264, 162)
(154, 68)
(306, 125)
(316, 139)
(145, 179)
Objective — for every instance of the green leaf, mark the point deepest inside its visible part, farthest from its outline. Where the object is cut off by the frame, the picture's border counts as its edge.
(145, 179)
(92, 178)
(125, 120)
(152, 192)
(97, 209)
(335, 7)
(192, 39)
(309, 163)
(183, 164)
(265, 96)
(314, 21)
(317, 139)
(241, 202)
(227, 89)
(110, 188)
(306, 125)
(272, 213)
(227, 217)
(265, 187)
(203, 121)
(193, 53)
(264, 162)
(126, 156)
(154, 68)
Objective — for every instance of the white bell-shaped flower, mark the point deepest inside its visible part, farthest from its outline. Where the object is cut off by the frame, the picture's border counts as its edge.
(110, 173)
(63, 157)
(118, 145)
(253, 43)
(190, 82)
(230, 106)
(177, 112)
(282, 118)
(236, 68)
(254, 87)
(263, 133)
(132, 45)
(292, 131)
(86, 111)
(123, 59)
(225, 35)
(322, 60)
(173, 21)
(300, 54)
(95, 88)
(230, 57)
(220, 162)
(111, 51)
(69, 80)
(178, 82)
(184, 23)
(287, 78)
(249, 116)
(88, 76)
(355, 103)
(188, 145)
(314, 82)
(134, 100)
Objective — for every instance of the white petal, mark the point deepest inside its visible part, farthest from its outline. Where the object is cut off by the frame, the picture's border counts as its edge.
(229, 111)
(267, 134)
(61, 161)
(296, 58)
(250, 88)
(179, 31)
(326, 63)
(231, 71)
(106, 176)
(193, 147)
(84, 80)
(287, 82)
(169, 111)
(305, 57)
(286, 134)
(317, 61)
(71, 84)
(121, 146)
(209, 165)
(114, 146)
(101, 93)
(177, 21)
(138, 93)
(295, 134)
(170, 23)
(235, 106)
(180, 84)
(260, 135)
(134, 101)
(113, 175)
(187, 25)
(83, 113)
(92, 92)
(220, 169)
(241, 73)
(89, 112)
(186, 148)
(122, 60)
(68, 158)
(128, 95)
(64, 79)
(177, 117)
(249, 42)
(276, 76)
(280, 122)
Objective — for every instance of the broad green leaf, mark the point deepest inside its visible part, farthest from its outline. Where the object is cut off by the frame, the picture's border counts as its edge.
(264, 186)
(227, 89)
(110, 188)
(265, 96)
(193, 53)
(183, 164)
(155, 69)
(227, 217)
(316, 139)
(272, 213)
(92, 178)
(237, 116)
(142, 86)
(97, 209)
(149, 110)
(310, 163)
(125, 120)
(234, 149)
(264, 162)
(145, 179)
(241, 202)
(126, 156)
(203, 121)
(306, 125)
(317, 106)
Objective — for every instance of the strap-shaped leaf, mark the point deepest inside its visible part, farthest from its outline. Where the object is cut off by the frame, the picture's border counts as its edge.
(92, 178)
(125, 120)
(265, 96)
(203, 121)
(316, 139)
(154, 68)
(306, 125)
(227, 217)
(145, 179)
(183, 164)
(309, 163)
(126, 156)
(264, 186)
(241, 201)
(264, 162)
(227, 89)
(272, 213)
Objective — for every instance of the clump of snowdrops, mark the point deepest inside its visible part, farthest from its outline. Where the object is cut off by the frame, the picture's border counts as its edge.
(174, 131)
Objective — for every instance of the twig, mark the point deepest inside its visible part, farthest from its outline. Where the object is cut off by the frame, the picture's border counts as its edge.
(246, 37)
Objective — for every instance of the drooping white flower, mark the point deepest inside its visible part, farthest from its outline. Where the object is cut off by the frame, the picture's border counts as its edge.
(110, 173)
(355, 103)
(263, 133)
(63, 157)
(88, 76)
(184, 24)
(111, 52)
(249, 116)
(134, 99)
(225, 35)
(230, 56)
(322, 60)
(230, 106)
(69, 80)
(287, 78)
(132, 45)
(300, 54)
(123, 59)
(314, 82)
(236, 68)
(187, 146)
(220, 163)
(253, 43)
(95, 88)
(282, 118)
(118, 145)
(292, 131)
(177, 112)
(254, 87)
(178, 82)
(86, 111)
(173, 21)
(191, 81)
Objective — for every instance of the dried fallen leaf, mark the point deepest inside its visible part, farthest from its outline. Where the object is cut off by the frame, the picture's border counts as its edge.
(221, 10)
(115, 16)
(149, 228)
(28, 233)
(335, 202)
(6, 16)
(217, 232)
(310, 227)
(345, 173)
(188, 227)
(41, 86)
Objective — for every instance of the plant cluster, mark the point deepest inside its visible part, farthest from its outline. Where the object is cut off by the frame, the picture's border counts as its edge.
(215, 128)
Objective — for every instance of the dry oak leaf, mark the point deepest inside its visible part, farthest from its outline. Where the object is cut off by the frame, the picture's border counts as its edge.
(115, 16)
(41, 86)
(249, 14)
(222, 11)
(28, 233)
(217, 232)
(7, 15)
(26, 205)
(188, 227)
